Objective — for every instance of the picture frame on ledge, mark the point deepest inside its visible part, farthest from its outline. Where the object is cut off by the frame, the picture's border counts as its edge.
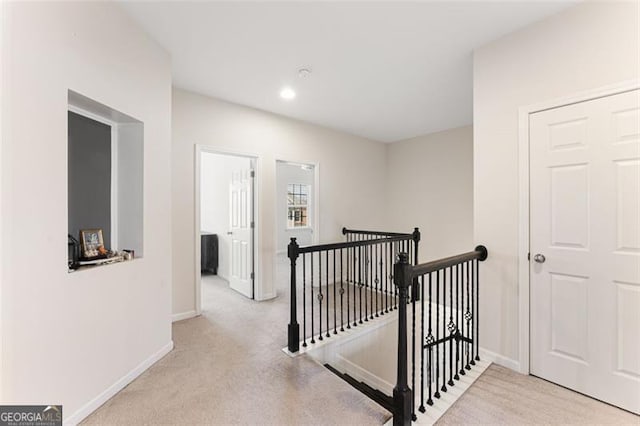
(92, 243)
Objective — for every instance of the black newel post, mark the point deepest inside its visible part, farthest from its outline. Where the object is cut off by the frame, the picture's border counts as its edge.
(294, 327)
(401, 393)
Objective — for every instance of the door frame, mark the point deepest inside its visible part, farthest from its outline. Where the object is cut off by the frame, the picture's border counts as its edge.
(257, 270)
(316, 198)
(523, 201)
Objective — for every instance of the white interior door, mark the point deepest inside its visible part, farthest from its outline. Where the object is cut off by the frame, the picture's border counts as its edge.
(241, 232)
(585, 247)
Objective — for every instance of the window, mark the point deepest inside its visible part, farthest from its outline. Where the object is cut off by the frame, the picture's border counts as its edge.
(105, 164)
(297, 205)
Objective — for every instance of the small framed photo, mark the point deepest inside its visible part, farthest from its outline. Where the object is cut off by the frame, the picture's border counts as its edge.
(91, 240)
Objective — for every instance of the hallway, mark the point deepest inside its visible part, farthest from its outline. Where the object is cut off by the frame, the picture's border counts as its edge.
(219, 375)
(228, 368)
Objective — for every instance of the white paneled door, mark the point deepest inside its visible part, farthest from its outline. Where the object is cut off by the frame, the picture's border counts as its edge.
(585, 247)
(241, 230)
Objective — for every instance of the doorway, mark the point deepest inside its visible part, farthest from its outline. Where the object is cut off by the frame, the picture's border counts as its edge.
(225, 225)
(584, 236)
(297, 204)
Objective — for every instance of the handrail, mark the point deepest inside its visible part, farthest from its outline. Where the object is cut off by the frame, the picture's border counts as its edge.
(457, 328)
(347, 283)
(359, 231)
(479, 253)
(349, 244)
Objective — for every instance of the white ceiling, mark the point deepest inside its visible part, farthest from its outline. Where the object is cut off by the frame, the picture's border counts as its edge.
(383, 70)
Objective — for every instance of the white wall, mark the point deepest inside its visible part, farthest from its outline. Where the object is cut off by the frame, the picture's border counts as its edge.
(3, 107)
(588, 46)
(215, 181)
(350, 195)
(287, 173)
(430, 185)
(69, 338)
(130, 168)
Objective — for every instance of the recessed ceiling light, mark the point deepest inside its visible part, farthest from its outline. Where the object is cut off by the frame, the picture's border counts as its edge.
(287, 93)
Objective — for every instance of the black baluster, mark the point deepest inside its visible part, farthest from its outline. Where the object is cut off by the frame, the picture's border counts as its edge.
(320, 295)
(374, 280)
(477, 315)
(468, 318)
(458, 323)
(473, 315)
(429, 341)
(413, 351)
(342, 293)
(390, 275)
(360, 282)
(422, 409)
(348, 280)
(462, 321)
(444, 331)
(451, 327)
(355, 285)
(327, 290)
(437, 394)
(335, 300)
(385, 268)
(304, 300)
(312, 301)
(367, 286)
(371, 266)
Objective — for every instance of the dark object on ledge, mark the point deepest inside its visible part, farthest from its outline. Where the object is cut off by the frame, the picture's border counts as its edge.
(209, 253)
(73, 252)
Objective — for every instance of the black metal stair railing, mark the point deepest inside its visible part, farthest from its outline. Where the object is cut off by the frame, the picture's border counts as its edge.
(448, 335)
(343, 285)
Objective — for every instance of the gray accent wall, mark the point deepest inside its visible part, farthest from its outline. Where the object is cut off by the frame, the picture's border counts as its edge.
(89, 179)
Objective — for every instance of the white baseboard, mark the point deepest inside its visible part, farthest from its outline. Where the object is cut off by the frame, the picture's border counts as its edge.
(361, 374)
(266, 296)
(183, 316)
(96, 402)
(502, 360)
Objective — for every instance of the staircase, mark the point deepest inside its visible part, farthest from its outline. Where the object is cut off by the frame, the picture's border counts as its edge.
(373, 394)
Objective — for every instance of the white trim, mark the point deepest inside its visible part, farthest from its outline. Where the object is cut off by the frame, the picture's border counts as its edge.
(3, 103)
(343, 365)
(258, 289)
(344, 336)
(183, 316)
(523, 200)
(91, 115)
(490, 356)
(114, 166)
(103, 397)
(315, 216)
(114, 187)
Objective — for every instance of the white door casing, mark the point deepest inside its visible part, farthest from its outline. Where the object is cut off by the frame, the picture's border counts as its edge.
(241, 230)
(585, 220)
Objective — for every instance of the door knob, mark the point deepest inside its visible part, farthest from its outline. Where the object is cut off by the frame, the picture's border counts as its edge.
(539, 258)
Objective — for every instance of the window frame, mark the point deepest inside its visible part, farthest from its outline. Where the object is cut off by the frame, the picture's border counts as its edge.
(294, 205)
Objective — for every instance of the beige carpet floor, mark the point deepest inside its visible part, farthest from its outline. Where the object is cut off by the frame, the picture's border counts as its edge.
(228, 368)
(503, 397)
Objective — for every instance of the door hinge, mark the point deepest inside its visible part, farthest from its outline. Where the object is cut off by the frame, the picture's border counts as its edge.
(253, 173)
(253, 224)
(529, 257)
(253, 276)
